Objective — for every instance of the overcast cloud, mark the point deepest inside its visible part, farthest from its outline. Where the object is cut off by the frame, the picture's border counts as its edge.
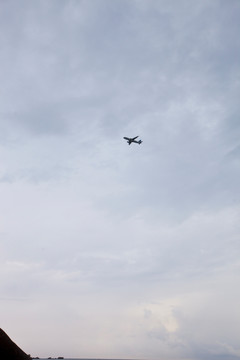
(109, 250)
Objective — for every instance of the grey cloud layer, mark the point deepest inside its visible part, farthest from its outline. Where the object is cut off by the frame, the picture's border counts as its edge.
(136, 247)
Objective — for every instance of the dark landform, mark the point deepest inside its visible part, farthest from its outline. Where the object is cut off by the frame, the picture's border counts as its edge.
(9, 350)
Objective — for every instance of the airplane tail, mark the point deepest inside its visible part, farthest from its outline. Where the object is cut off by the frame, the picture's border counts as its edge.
(140, 141)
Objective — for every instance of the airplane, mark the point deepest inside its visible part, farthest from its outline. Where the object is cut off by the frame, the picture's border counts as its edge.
(130, 140)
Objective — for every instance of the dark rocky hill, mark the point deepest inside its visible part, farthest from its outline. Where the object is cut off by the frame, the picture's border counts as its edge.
(9, 350)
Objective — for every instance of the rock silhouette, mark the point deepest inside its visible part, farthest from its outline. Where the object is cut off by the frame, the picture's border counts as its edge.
(9, 350)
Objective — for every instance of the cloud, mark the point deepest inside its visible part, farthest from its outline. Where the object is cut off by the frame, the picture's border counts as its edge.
(132, 250)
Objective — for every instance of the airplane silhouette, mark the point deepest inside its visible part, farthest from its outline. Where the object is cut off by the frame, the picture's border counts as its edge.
(130, 140)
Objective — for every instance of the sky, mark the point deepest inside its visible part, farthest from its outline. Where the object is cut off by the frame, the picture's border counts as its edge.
(109, 250)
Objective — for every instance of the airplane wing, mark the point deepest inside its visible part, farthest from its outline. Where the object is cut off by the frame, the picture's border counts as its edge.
(135, 138)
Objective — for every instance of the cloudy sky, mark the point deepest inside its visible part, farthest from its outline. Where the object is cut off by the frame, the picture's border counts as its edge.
(109, 250)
